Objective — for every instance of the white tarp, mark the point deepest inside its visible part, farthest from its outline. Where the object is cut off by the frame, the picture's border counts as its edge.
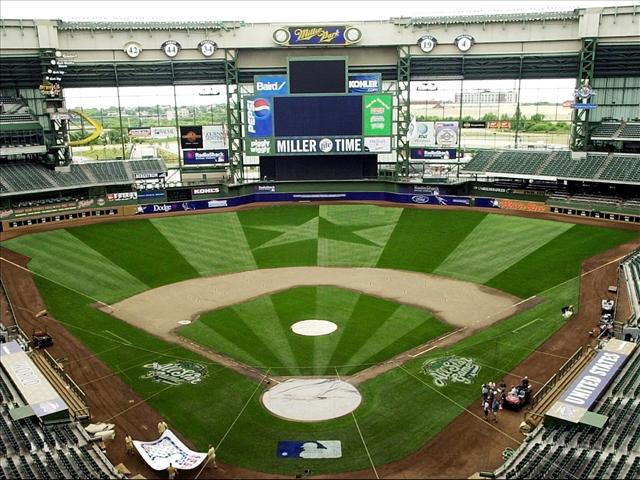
(311, 399)
(168, 449)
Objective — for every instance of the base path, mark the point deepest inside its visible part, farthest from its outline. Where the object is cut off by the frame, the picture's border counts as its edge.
(458, 303)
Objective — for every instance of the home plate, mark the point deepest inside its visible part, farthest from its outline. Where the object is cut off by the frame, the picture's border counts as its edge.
(313, 328)
(311, 399)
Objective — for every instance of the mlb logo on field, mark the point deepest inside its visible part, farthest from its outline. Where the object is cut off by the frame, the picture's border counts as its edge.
(310, 449)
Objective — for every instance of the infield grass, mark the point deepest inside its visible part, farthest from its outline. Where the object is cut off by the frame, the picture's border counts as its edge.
(370, 330)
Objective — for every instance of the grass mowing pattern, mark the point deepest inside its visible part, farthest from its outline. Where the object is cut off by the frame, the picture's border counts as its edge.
(558, 260)
(212, 244)
(495, 244)
(139, 248)
(60, 255)
(424, 238)
(372, 331)
(393, 415)
(399, 414)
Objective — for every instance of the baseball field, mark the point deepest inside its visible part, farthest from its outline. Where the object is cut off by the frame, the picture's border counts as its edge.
(508, 259)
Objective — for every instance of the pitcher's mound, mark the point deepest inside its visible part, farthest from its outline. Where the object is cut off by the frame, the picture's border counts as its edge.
(313, 328)
(311, 399)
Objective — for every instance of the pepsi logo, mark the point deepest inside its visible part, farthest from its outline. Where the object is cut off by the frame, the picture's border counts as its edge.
(262, 108)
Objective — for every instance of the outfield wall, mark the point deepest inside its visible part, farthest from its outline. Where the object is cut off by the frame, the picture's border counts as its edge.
(442, 195)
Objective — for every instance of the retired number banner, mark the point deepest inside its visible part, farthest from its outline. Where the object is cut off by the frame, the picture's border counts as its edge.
(168, 449)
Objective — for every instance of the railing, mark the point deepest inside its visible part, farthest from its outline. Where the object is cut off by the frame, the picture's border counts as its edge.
(65, 377)
(564, 369)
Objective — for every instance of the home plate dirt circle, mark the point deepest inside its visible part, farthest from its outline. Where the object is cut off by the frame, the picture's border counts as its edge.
(311, 399)
(314, 328)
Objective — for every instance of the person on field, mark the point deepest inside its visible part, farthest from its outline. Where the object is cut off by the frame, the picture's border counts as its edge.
(211, 456)
(162, 426)
(172, 471)
(486, 407)
(495, 406)
(128, 443)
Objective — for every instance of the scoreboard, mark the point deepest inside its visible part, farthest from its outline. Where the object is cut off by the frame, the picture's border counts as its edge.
(318, 124)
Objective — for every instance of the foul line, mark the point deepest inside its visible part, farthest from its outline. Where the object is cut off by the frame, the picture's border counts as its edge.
(124, 340)
(56, 282)
(526, 325)
(362, 437)
(458, 405)
(243, 409)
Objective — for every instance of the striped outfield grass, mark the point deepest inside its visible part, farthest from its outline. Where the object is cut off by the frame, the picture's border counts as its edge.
(213, 244)
(139, 248)
(61, 256)
(495, 244)
(370, 330)
(401, 409)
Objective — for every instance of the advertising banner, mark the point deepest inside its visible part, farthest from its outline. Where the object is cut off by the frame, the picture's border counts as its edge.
(504, 124)
(205, 157)
(191, 137)
(266, 188)
(205, 190)
(365, 83)
(377, 115)
(433, 153)
(377, 144)
(121, 196)
(150, 175)
(420, 199)
(422, 134)
(140, 132)
(260, 146)
(321, 35)
(318, 145)
(474, 124)
(214, 137)
(592, 381)
(446, 134)
(163, 132)
(487, 202)
(168, 449)
(522, 205)
(271, 85)
(259, 117)
(145, 195)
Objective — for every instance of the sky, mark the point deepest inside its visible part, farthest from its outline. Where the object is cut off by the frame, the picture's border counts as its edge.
(275, 11)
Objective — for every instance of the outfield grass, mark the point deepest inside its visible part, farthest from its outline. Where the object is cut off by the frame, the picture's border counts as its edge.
(112, 261)
(370, 330)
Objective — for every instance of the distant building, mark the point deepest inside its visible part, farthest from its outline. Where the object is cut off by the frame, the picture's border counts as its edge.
(487, 97)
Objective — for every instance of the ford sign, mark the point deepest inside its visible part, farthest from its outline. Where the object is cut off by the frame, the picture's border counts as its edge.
(420, 199)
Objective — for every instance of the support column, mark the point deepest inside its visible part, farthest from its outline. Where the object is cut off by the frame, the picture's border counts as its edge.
(402, 117)
(234, 115)
(581, 127)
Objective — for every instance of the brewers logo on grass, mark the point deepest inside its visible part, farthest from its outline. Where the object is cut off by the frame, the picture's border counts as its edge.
(175, 373)
(451, 369)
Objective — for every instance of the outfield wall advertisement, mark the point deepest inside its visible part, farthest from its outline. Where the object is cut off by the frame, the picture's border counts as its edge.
(416, 199)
